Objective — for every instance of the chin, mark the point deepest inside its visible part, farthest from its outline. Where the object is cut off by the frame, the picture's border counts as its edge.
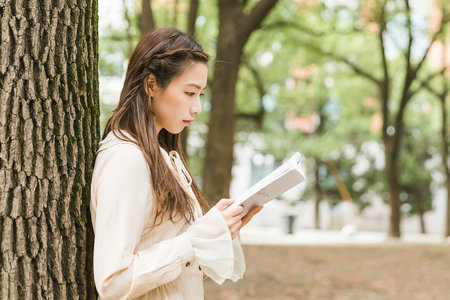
(175, 131)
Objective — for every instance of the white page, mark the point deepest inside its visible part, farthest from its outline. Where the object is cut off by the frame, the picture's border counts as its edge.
(282, 179)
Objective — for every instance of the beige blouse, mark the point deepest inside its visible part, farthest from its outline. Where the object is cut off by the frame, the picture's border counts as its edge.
(132, 259)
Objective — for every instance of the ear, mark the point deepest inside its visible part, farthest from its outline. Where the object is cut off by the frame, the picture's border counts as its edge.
(151, 85)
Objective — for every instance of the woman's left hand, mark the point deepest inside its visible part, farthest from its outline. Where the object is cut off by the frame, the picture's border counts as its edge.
(253, 211)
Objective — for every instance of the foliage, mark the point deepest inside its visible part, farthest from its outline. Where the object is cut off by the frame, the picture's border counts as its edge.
(298, 65)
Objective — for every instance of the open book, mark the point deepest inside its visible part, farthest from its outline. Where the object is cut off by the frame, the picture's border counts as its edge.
(280, 180)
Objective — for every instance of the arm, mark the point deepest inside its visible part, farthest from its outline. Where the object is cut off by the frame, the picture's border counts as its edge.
(214, 240)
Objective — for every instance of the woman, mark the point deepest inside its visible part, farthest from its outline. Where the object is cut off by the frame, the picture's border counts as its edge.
(152, 240)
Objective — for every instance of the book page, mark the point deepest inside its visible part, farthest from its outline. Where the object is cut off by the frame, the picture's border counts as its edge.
(282, 179)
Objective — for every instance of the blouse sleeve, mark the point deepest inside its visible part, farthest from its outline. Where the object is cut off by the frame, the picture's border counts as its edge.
(123, 196)
(221, 257)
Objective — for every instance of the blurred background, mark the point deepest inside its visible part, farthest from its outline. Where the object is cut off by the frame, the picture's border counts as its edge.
(361, 89)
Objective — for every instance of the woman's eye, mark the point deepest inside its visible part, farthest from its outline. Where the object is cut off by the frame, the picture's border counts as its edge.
(190, 94)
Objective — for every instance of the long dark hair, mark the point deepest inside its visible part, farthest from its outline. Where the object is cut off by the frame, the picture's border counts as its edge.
(165, 53)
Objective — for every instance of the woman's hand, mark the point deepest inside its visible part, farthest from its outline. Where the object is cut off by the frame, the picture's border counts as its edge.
(233, 215)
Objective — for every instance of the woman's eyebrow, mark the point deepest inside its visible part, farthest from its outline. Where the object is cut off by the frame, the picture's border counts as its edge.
(196, 86)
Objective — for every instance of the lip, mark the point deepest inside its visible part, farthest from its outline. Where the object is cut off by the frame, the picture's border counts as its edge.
(188, 122)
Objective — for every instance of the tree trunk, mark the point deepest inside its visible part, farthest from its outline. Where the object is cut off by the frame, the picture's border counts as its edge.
(445, 157)
(447, 217)
(219, 146)
(317, 198)
(49, 129)
(146, 19)
(422, 222)
(393, 188)
(421, 212)
(234, 31)
(192, 17)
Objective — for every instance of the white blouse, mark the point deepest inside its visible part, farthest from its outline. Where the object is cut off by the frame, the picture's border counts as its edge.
(132, 259)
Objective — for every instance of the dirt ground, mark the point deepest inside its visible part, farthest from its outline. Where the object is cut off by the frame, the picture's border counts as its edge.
(387, 271)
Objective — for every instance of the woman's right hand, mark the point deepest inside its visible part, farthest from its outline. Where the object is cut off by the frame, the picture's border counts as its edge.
(232, 215)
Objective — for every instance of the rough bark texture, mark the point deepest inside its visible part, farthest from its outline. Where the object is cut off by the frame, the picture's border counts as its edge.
(49, 129)
(234, 31)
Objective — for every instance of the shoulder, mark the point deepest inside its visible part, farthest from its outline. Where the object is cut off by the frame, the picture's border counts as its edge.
(120, 155)
(118, 141)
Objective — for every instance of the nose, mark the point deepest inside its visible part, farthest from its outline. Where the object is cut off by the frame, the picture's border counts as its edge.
(197, 107)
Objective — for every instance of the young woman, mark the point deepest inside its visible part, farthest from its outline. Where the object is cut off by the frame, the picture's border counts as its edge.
(152, 240)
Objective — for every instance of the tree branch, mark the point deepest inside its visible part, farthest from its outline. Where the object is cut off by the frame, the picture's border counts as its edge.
(410, 38)
(305, 29)
(425, 83)
(444, 21)
(283, 24)
(385, 82)
(355, 67)
(258, 116)
(409, 75)
(411, 72)
(253, 20)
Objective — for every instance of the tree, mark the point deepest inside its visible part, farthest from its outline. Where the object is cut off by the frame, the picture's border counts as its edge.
(235, 28)
(415, 178)
(394, 92)
(49, 131)
(442, 95)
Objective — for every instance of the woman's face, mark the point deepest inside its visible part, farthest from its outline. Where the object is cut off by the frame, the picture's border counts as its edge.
(175, 106)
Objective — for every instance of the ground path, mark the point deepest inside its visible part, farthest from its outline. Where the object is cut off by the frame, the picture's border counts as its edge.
(393, 270)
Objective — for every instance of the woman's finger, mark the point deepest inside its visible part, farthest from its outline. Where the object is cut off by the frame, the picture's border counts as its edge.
(234, 229)
(224, 203)
(235, 211)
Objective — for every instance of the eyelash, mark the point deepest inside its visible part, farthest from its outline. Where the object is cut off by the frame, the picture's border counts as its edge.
(192, 94)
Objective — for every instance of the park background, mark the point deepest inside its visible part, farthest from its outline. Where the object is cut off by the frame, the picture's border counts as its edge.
(360, 88)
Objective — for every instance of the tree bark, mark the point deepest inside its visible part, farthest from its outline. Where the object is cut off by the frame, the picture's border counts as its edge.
(49, 129)
(234, 30)
(146, 18)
